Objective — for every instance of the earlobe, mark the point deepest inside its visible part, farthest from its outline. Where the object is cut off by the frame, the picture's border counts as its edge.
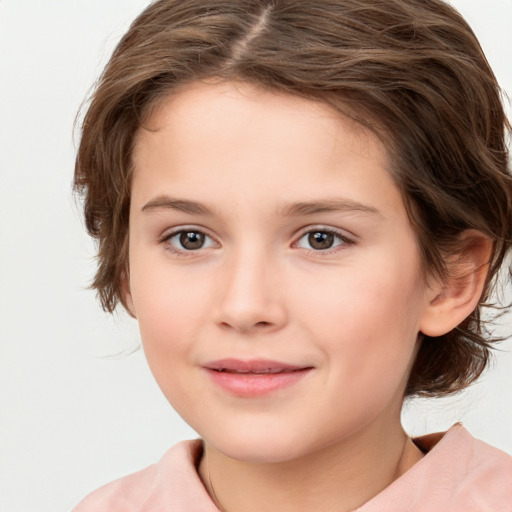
(454, 299)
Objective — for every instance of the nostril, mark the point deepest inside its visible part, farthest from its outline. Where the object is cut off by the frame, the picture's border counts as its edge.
(239, 326)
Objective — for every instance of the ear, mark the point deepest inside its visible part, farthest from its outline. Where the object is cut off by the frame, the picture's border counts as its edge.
(453, 299)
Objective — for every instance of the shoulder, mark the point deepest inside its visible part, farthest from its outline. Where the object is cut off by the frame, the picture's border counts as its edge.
(487, 475)
(466, 472)
(173, 482)
(458, 473)
(126, 493)
(457, 447)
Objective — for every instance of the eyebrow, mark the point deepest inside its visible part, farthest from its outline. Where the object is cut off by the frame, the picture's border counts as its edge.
(326, 206)
(182, 205)
(288, 210)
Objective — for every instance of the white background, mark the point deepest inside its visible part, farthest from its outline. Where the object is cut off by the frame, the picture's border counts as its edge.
(72, 418)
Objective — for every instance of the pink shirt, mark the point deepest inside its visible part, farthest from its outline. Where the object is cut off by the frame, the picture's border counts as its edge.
(458, 474)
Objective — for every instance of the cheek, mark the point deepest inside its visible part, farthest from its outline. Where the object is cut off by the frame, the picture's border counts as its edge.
(168, 321)
(352, 301)
(168, 309)
(365, 322)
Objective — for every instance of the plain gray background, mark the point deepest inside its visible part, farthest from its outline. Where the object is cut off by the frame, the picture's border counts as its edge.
(72, 416)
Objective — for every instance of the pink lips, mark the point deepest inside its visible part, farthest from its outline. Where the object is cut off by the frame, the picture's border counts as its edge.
(255, 377)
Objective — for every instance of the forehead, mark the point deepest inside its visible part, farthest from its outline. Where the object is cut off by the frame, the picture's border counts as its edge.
(220, 138)
(223, 110)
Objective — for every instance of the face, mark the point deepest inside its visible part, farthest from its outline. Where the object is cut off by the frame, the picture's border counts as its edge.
(273, 271)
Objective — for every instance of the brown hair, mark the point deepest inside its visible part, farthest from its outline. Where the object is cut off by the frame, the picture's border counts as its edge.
(410, 70)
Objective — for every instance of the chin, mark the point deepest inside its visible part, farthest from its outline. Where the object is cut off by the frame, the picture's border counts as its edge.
(265, 446)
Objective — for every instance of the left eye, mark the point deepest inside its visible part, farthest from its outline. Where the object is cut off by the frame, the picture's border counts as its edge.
(189, 240)
(321, 240)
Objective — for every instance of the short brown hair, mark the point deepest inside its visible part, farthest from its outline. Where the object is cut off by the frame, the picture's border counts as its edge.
(412, 71)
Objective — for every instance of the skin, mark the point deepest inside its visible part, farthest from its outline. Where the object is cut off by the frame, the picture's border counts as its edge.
(257, 288)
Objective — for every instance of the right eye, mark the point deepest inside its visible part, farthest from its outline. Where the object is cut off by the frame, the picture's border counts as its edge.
(188, 240)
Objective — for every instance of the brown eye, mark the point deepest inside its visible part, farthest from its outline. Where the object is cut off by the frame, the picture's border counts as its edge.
(321, 240)
(188, 240)
(191, 240)
(318, 240)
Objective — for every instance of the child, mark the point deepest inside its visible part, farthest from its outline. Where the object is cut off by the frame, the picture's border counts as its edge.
(305, 205)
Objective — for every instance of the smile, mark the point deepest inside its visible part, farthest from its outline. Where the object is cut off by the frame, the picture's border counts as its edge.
(258, 372)
(254, 378)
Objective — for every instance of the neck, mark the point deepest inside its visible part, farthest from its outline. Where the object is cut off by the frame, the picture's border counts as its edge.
(336, 478)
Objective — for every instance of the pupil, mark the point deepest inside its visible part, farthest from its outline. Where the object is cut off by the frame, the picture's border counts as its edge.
(191, 240)
(321, 240)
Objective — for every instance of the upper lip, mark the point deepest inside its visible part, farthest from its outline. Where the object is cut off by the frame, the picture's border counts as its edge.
(252, 366)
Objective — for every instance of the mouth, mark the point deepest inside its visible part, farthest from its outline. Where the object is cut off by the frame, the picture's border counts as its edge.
(255, 366)
(254, 378)
(256, 372)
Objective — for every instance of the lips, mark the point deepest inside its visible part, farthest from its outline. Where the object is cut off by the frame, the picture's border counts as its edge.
(254, 378)
(253, 366)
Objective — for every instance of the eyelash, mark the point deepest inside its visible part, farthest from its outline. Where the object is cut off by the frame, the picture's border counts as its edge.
(184, 253)
(344, 240)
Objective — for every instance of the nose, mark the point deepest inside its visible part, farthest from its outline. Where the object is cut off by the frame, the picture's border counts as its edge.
(251, 295)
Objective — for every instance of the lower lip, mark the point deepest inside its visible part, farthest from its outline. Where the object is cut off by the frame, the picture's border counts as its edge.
(256, 384)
